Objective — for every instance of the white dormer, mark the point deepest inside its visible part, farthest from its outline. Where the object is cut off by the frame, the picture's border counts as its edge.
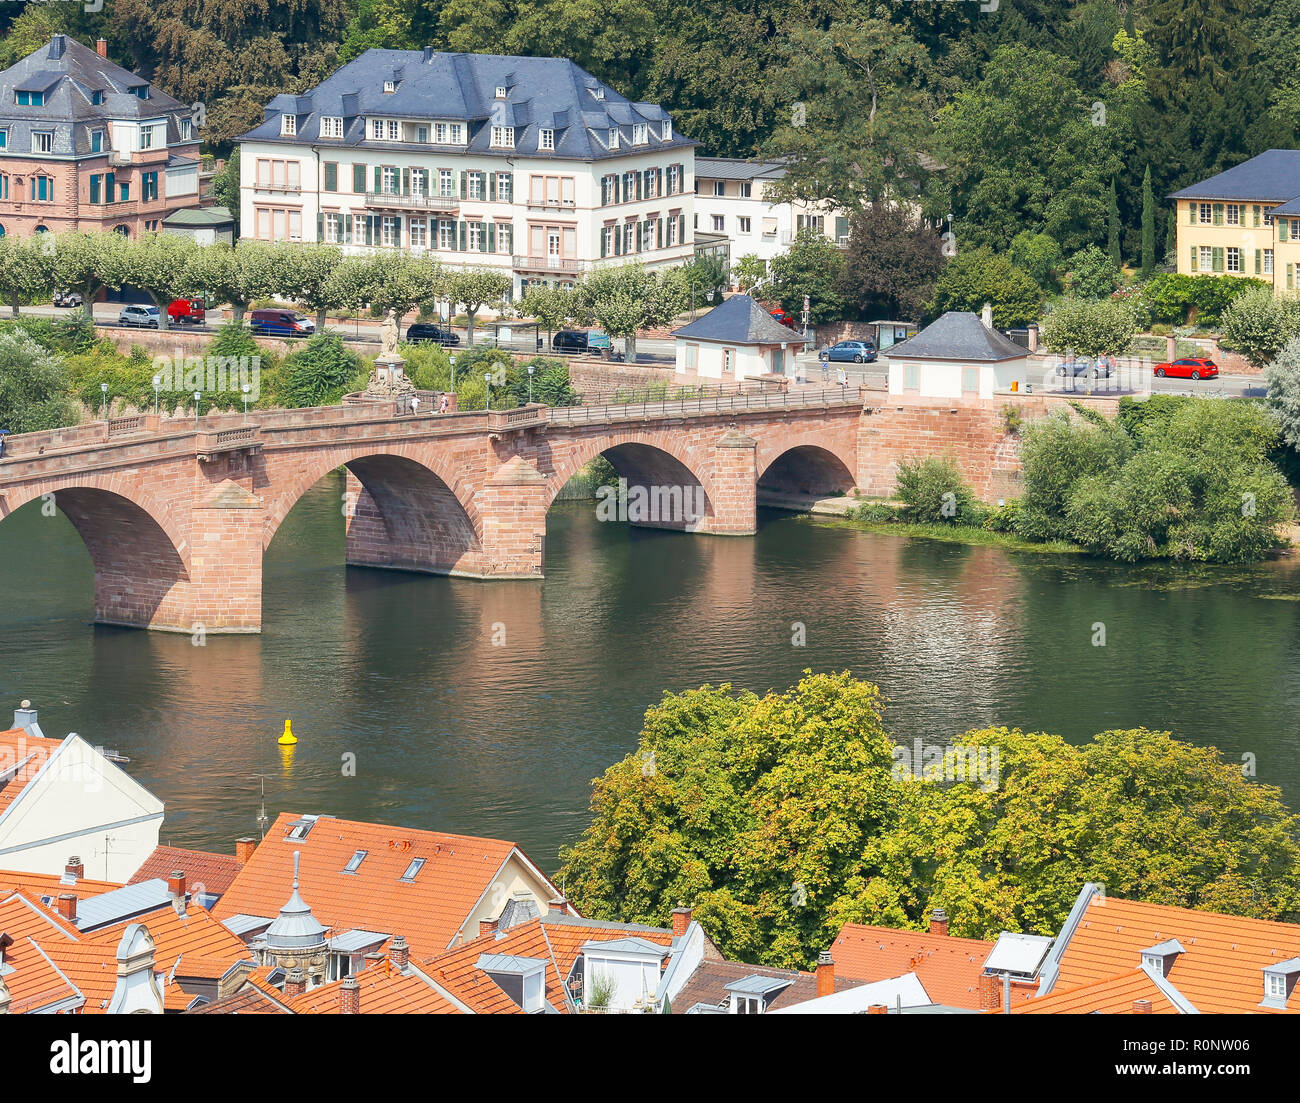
(640, 134)
(502, 91)
(503, 137)
(1279, 982)
(289, 126)
(523, 979)
(668, 130)
(1160, 958)
(613, 137)
(390, 86)
(545, 139)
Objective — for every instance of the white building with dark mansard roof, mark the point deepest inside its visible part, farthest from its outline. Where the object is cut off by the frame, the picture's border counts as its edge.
(526, 165)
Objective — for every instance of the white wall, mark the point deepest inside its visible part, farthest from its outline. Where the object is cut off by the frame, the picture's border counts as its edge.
(750, 361)
(944, 379)
(634, 976)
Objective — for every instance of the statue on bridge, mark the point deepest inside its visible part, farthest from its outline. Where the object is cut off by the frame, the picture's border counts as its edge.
(389, 379)
(388, 334)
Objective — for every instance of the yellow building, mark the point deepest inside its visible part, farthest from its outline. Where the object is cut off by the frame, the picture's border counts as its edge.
(1244, 222)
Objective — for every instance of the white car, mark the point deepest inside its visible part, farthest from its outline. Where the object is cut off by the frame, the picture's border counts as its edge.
(146, 316)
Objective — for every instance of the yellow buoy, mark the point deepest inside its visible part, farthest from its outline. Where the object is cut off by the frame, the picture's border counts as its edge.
(288, 738)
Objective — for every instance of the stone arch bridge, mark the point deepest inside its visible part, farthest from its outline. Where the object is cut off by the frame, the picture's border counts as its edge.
(176, 513)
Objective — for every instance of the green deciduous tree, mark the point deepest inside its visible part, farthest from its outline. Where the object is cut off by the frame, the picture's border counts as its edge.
(89, 262)
(749, 271)
(1258, 323)
(626, 298)
(552, 307)
(318, 374)
(159, 263)
(980, 276)
(304, 274)
(892, 263)
(26, 269)
(1283, 376)
(1088, 327)
(33, 386)
(812, 266)
(474, 289)
(1091, 274)
(1112, 225)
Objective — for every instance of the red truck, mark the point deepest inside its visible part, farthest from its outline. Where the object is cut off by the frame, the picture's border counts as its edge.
(781, 315)
(189, 312)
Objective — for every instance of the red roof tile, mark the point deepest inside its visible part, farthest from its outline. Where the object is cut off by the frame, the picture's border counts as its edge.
(948, 967)
(204, 870)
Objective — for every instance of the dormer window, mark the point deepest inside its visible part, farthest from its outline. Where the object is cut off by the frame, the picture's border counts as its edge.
(187, 130)
(289, 125)
(597, 93)
(331, 126)
(546, 139)
(393, 130)
(299, 829)
(523, 979)
(140, 91)
(501, 91)
(1160, 958)
(668, 130)
(416, 865)
(390, 86)
(30, 99)
(354, 863)
(1279, 982)
(503, 137)
(613, 137)
(96, 97)
(1157, 964)
(640, 134)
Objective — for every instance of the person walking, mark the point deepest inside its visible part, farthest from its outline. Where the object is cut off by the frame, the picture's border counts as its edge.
(844, 377)
(442, 406)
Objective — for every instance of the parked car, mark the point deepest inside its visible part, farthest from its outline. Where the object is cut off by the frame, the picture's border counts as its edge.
(281, 323)
(571, 340)
(146, 316)
(1096, 369)
(187, 312)
(859, 352)
(1189, 367)
(67, 298)
(784, 317)
(428, 333)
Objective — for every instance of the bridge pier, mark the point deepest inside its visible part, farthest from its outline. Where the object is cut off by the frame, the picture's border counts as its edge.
(735, 486)
(513, 506)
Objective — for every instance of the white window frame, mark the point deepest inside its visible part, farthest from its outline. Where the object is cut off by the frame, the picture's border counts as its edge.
(446, 233)
(503, 137)
(288, 127)
(640, 134)
(719, 189)
(502, 91)
(394, 131)
(545, 139)
(1275, 986)
(1232, 259)
(331, 126)
(418, 229)
(1206, 259)
(613, 137)
(1232, 214)
(390, 86)
(744, 224)
(333, 234)
(377, 130)
(1205, 213)
(1268, 262)
(719, 224)
(42, 141)
(187, 130)
(457, 134)
(146, 135)
(668, 130)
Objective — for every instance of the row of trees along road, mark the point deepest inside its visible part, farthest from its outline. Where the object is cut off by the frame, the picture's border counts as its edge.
(621, 299)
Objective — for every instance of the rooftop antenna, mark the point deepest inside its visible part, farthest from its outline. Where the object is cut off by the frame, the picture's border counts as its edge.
(263, 820)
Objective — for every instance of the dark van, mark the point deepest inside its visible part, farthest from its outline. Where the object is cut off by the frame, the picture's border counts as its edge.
(281, 323)
(570, 340)
(421, 332)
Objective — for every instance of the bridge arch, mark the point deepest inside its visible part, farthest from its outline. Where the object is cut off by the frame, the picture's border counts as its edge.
(659, 467)
(139, 559)
(406, 509)
(809, 468)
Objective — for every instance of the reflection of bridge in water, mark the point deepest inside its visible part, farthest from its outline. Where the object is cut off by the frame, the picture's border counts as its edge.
(176, 513)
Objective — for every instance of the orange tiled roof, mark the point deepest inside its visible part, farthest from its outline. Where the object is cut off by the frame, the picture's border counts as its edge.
(51, 884)
(91, 966)
(428, 911)
(948, 967)
(214, 872)
(249, 1000)
(382, 991)
(35, 982)
(20, 746)
(1112, 996)
(195, 936)
(1220, 971)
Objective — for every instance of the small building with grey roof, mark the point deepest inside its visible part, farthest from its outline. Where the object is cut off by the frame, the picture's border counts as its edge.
(959, 355)
(736, 340)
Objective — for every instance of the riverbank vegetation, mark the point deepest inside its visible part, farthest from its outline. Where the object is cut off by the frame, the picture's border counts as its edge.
(1170, 477)
(781, 817)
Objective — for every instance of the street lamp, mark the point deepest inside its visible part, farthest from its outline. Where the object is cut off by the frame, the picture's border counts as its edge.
(452, 360)
(531, 368)
(103, 401)
(487, 382)
(198, 395)
(246, 388)
(157, 387)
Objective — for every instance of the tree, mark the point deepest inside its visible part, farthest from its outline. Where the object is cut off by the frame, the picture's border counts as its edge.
(1088, 328)
(1257, 323)
(893, 261)
(813, 266)
(318, 373)
(862, 120)
(1112, 226)
(626, 298)
(226, 187)
(26, 269)
(1039, 256)
(33, 386)
(350, 285)
(980, 276)
(1055, 452)
(89, 262)
(474, 289)
(749, 271)
(1148, 226)
(552, 307)
(305, 273)
(1091, 273)
(237, 275)
(1283, 376)
(401, 281)
(159, 263)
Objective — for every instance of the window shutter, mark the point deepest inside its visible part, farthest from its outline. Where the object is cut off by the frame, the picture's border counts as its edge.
(492, 186)
(320, 226)
(1191, 213)
(1255, 214)
(1195, 252)
(492, 237)
(482, 238)
(640, 228)
(358, 178)
(1281, 224)
(659, 234)
(603, 236)
(406, 181)
(1218, 214)
(464, 184)
(463, 236)
(681, 229)
(347, 229)
(659, 181)
(379, 179)
(1217, 257)
(1259, 259)
(639, 187)
(510, 187)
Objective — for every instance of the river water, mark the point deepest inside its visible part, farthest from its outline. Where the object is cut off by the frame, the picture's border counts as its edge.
(487, 708)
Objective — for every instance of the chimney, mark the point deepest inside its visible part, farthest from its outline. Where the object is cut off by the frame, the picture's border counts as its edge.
(560, 906)
(399, 953)
(428, 54)
(350, 997)
(58, 44)
(101, 47)
(986, 315)
(244, 849)
(681, 920)
(1141, 1007)
(1033, 336)
(176, 883)
(295, 984)
(75, 868)
(68, 906)
(25, 718)
(6, 940)
(939, 922)
(486, 927)
(990, 992)
(877, 1009)
(825, 974)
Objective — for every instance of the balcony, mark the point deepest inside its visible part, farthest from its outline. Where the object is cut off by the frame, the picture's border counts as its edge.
(546, 264)
(537, 204)
(411, 201)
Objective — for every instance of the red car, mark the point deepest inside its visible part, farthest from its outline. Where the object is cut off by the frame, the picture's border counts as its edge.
(1190, 367)
(186, 312)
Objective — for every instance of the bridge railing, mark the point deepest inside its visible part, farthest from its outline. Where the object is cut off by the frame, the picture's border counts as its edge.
(747, 400)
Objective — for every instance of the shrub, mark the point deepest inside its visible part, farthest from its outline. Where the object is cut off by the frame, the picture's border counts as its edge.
(1056, 452)
(321, 372)
(875, 513)
(1003, 518)
(1257, 324)
(933, 491)
(33, 386)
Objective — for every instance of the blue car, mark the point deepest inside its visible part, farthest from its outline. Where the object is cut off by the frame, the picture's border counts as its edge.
(858, 352)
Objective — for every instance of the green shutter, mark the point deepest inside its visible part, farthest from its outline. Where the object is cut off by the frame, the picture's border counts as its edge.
(659, 181)
(1290, 277)
(1281, 224)
(1259, 261)
(379, 179)
(331, 176)
(464, 185)
(492, 236)
(639, 176)
(510, 187)
(1191, 213)
(492, 186)
(464, 236)
(347, 229)
(639, 230)
(602, 240)
(659, 234)
(1218, 214)
(1195, 255)
(320, 227)
(1255, 214)
(406, 181)
(681, 229)
(482, 238)
(1217, 256)
(358, 178)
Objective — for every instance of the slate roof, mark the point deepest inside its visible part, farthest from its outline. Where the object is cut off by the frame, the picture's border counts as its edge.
(199, 216)
(739, 320)
(957, 335)
(69, 73)
(542, 93)
(737, 168)
(1271, 175)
